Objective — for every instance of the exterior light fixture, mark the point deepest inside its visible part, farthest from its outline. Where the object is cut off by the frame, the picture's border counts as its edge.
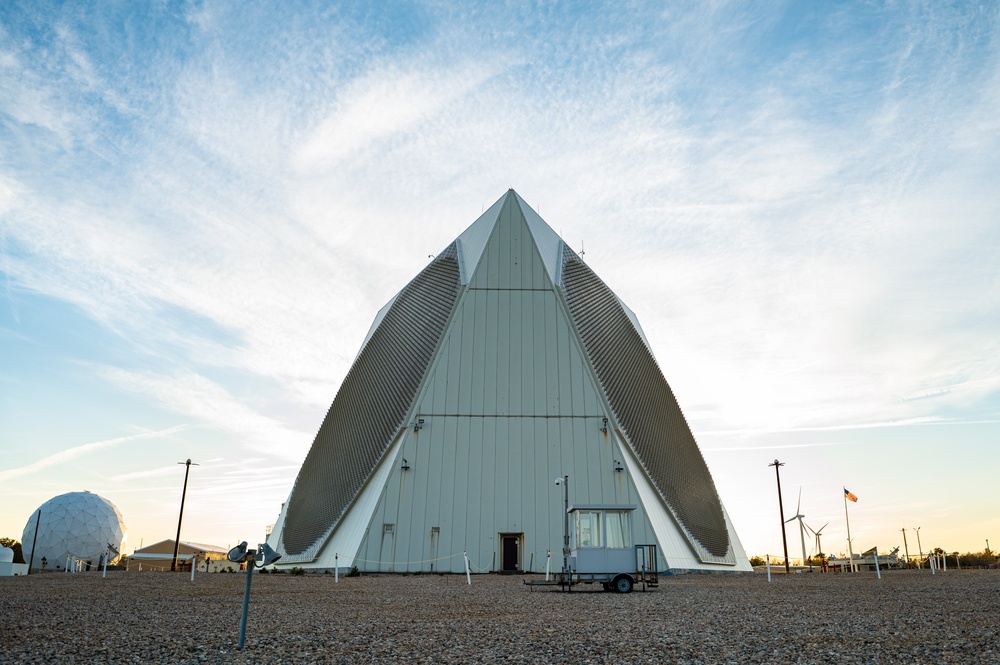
(239, 554)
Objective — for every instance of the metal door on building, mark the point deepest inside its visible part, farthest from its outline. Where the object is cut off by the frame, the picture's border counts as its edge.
(510, 552)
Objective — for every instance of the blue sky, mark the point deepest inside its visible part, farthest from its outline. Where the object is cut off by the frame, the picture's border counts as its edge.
(203, 205)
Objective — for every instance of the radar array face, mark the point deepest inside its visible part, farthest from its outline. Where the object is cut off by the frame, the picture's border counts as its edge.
(482, 376)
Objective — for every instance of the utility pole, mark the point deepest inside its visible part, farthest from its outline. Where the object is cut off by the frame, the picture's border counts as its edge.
(781, 511)
(905, 548)
(177, 540)
(38, 521)
(919, 564)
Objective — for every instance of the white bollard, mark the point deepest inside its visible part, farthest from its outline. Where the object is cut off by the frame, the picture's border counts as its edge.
(877, 571)
(930, 559)
(768, 567)
(336, 568)
(468, 573)
(194, 564)
(548, 564)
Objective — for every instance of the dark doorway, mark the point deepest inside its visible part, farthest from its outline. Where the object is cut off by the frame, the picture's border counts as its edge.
(510, 552)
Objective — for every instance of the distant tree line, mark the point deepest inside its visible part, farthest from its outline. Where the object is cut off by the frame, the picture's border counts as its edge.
(984, 559)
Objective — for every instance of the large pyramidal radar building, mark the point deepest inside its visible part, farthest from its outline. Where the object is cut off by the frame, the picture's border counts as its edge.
(504, 364)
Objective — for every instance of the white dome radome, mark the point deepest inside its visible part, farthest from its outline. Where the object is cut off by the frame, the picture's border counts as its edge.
(77, 525)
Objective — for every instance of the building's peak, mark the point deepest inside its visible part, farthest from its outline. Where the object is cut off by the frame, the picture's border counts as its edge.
(472, 242)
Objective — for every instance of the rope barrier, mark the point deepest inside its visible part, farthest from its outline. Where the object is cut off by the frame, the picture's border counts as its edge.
(478, 569)
(405, 563)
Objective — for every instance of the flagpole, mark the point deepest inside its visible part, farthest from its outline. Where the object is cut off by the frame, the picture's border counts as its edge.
(850, 551)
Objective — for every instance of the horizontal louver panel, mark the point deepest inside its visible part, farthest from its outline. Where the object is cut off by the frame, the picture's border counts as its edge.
(371, 404)
(646, 409)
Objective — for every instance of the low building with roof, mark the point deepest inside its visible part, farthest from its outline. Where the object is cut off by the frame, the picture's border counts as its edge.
(159, 556)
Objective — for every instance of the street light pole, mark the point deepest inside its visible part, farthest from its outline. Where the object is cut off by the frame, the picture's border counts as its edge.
(781, 510)
(177, 540)
(905, 548)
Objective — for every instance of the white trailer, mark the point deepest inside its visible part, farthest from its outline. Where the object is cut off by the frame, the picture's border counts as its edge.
(602, 551)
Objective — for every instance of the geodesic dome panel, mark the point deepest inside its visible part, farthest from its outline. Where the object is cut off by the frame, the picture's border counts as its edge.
(78, 525)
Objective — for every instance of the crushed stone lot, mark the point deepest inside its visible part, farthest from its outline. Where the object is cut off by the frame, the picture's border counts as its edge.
(907, 617)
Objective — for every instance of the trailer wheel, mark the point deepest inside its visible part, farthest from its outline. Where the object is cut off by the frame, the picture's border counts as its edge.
(623, 584)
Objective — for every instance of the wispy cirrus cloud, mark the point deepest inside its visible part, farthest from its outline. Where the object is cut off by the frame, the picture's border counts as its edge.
(210, 403)
(734, 182)
(798, 202)
(85, 449)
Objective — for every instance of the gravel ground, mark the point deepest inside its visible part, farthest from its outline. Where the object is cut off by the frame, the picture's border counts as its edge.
(907, 617)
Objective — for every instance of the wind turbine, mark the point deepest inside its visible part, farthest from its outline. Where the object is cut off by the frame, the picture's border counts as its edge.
(802, 531)
(816, 532)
